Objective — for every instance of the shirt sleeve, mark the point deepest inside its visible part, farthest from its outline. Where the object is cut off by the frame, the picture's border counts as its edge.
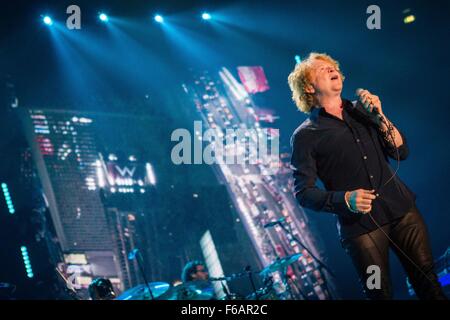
(308, 195)
(403, 150)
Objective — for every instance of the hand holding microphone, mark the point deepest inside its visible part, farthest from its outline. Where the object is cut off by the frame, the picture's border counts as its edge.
(371, 103)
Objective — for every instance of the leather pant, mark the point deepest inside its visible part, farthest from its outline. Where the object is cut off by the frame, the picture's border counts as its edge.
(410, 234)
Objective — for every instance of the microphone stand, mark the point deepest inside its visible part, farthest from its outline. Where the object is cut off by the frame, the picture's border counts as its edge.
(248, 269)
(68, 288)
(224, 288)
(319, 262)
(141, 268)
(226, 291)
(289, 287)
(286, 282)
(223, 279)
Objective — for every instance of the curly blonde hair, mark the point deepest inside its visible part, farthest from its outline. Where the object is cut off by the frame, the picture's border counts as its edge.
(300, 78)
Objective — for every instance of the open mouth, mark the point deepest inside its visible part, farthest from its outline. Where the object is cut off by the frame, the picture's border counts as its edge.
(334, 77)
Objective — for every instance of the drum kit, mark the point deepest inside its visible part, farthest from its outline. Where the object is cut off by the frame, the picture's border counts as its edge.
(192, 290)
(204, 290)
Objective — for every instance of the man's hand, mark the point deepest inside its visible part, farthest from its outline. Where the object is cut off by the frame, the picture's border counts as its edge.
(360, 200)
(370, 101)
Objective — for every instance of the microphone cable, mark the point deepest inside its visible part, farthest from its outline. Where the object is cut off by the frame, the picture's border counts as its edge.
(391, 133)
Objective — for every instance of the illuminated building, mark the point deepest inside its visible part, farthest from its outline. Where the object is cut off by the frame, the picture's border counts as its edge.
(65, 151)
(100, 175)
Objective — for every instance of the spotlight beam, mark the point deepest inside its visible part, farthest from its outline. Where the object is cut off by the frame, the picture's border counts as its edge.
(47, 20)
(103, 17)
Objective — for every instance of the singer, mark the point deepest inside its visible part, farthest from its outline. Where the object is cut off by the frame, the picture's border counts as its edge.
(346, 145)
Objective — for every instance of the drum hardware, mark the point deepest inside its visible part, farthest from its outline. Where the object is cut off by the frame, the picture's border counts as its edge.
(321, 265)
(191, 290)
(280, 263)
(68, 286)
(232, 276)
(135, 253)
(141, 291)
(203, 290)
(248, 270)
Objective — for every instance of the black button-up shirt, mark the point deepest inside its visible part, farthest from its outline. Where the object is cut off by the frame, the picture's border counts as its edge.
(347, 155)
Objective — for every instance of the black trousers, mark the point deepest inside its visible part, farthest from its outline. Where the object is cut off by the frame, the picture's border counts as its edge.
(410, 234)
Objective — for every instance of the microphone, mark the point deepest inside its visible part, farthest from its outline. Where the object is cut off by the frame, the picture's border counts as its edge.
(220, 279)
(227, 278)
(274, 223)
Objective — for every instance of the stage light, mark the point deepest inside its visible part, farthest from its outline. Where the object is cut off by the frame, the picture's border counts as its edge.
(159, 18)
(297, 59)
(26, 262)
(47, 20)
(409, 19)
(103, 17)
(8, 199)
(408, 16)
(206, 16)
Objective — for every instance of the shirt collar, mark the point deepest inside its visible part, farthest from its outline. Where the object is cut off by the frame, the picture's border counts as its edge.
(317, 114)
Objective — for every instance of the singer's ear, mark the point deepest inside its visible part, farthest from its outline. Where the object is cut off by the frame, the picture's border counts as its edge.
(309, 89)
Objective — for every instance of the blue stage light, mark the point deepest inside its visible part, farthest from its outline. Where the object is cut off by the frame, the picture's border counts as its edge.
(8, 199)
(26, 262)
(297, 59)
(103, 17)
(159, 18)
(47, 20)
(206, 16)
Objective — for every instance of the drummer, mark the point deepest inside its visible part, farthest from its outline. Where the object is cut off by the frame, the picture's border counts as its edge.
(194, 271)
(196, 282)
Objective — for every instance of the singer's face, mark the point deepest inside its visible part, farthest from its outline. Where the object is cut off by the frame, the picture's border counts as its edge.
(326, 79)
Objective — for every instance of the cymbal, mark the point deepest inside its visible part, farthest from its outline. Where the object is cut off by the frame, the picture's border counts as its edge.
(191, 290)
(279, 264)
(140, 292)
